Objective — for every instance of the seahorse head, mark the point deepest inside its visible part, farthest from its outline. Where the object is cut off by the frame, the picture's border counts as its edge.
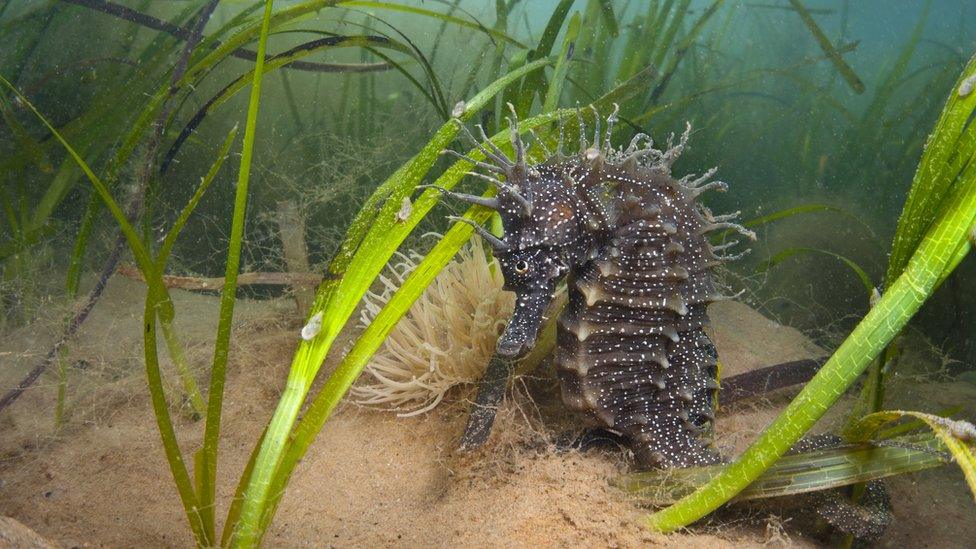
(543, 238)
(543, 234)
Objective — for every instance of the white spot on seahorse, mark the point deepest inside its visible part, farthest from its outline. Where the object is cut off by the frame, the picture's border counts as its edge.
(459, 109)
(314, 326)
(967, 86)
(405, 209)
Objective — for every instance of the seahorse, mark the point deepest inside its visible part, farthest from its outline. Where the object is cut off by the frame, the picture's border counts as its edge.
(632, 243)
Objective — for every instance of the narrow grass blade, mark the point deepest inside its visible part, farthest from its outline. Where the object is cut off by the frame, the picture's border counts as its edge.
(958, 436)
(947, 152)
(551, 100)
(609, 19)
(218, 373)
(798, 473)
(132, 237)
(843, 68)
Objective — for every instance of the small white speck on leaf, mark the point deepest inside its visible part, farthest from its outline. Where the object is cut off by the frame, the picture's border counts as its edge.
(406, 208)
(875, 296)
(967, 86)
(459, 109)
(314, 326)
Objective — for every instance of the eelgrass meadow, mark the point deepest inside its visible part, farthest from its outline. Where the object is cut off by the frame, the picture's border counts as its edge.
(164, 141)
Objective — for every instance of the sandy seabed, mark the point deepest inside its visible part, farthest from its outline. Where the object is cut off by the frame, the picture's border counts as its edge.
(372, 479)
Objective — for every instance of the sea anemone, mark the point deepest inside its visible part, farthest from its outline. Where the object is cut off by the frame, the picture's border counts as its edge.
(445, 339)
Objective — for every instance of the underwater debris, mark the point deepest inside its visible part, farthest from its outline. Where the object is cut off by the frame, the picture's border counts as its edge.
(314, 326)
(444, 340)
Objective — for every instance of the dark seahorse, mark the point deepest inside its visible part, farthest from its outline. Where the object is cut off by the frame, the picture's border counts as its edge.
(632, 242)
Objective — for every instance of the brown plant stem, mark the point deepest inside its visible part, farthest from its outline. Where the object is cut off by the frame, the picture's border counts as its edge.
(296, 280)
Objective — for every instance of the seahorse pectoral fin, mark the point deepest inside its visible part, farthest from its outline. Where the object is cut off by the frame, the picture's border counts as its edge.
(520, 334)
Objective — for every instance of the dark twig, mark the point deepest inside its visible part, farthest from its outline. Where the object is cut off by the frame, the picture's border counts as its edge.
(183, 33)
(765, 380)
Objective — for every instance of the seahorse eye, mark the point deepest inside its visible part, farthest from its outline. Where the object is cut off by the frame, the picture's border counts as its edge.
(522, 267)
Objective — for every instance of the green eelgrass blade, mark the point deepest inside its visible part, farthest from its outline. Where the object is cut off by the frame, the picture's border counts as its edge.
(946, 157)
(88, 220)
(609, 19)
(797, 473)
(535, 83)
(551, 100)
(885, 319)
(947, 152)
(669, 34)
(191, 505)
(211, 437)
(843, 68)
(791, 252)
(350, 274)
(958, 436)
(162, 256)
(234, 513)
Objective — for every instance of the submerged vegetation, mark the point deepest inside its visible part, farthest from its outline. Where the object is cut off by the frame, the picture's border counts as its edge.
(354, 102)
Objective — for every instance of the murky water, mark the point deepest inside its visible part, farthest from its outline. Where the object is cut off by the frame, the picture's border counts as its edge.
(819, 110)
